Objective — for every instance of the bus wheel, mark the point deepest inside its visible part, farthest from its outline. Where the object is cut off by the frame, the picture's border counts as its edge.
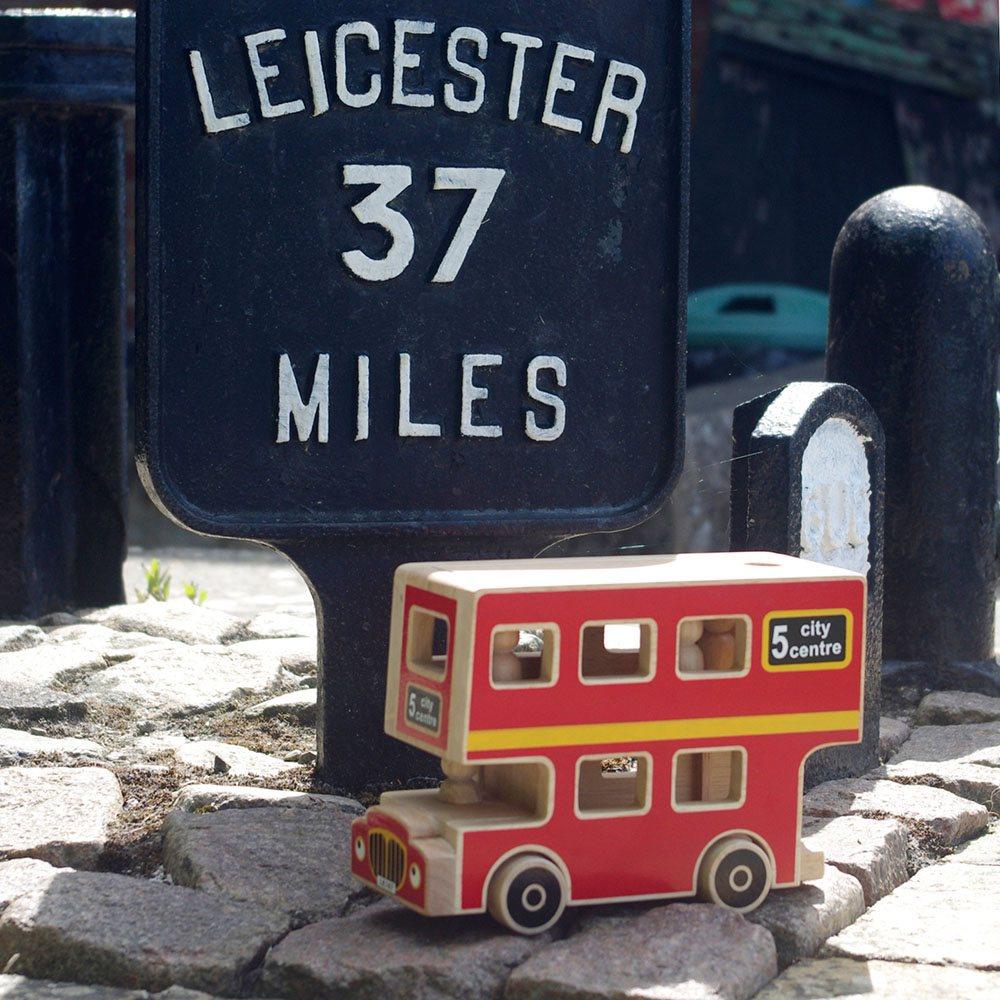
(735, 874)
(527, 894)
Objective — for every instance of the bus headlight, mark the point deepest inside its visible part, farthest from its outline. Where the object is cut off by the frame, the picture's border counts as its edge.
(359, 848)
(415, 876)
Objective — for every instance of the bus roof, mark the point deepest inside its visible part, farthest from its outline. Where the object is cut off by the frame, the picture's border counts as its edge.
(518, 575)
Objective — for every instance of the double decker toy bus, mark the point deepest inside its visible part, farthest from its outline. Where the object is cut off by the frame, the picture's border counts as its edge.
(611, 729)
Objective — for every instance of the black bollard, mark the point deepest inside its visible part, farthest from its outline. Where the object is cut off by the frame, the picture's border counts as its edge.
(66, 83)
(808, 481)
(914, 327)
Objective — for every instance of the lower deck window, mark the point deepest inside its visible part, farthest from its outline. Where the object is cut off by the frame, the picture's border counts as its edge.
(610, 785)
(706, 779)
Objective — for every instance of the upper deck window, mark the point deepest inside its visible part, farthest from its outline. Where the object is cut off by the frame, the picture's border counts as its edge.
(713, 647)
(427, 643)
(612, 652)
(524, 656)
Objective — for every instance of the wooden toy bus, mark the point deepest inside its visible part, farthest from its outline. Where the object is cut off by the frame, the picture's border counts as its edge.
(611, 729)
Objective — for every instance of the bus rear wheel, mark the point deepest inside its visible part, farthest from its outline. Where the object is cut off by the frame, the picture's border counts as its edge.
(527, 894)
(735, 874)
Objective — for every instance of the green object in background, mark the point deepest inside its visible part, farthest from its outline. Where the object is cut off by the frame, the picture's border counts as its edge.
(759, 315)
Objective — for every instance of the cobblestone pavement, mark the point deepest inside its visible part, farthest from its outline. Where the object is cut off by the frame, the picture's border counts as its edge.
(162, 834)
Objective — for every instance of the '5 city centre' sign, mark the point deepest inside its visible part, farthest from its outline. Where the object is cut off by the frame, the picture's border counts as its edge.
(411, 263)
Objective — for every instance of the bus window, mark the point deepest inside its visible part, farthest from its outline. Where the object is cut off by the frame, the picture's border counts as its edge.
(617, 651)
(524, 656)
(709, 779)
(708, 647)
(608, 786)
(427, 644)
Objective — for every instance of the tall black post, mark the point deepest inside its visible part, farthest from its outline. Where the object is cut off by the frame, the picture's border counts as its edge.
(66, 83)
(809, 481)
(914, 327)
(354, 609)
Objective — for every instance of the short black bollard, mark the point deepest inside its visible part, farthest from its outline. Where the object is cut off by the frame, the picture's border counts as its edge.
(914, 327)
(66, 81)
(808, 480)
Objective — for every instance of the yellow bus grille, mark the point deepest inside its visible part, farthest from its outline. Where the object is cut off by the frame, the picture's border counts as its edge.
(387, 856)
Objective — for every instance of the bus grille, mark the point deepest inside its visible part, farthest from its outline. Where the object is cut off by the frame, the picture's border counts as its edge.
(388, 857)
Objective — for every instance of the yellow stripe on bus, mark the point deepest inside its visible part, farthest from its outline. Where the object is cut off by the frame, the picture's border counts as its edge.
(638, 733)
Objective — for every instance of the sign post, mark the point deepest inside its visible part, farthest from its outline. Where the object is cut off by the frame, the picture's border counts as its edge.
(412, 286)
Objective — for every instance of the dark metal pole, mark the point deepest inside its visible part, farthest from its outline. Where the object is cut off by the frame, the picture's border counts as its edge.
(354, 611)
(66, 83)
(914, 327)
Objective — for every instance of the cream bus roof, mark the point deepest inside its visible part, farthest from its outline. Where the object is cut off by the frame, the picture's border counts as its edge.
(619, 571)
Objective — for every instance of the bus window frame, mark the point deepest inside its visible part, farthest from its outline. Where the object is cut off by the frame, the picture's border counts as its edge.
(412, 666)
(592, 814)
(715, 675)
(654, 639)
(539, 685)
(698, 807)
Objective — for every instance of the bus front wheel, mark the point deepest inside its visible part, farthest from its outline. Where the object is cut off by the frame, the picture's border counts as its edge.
(527, 894)
(736, 874)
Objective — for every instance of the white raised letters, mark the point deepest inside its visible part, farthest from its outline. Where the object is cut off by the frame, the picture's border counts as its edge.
(403, 60)
(305, 415)
(559, 84)
(262, 74)
(521, 44)
(419, 64)
(311, 419)
(407, 428)
(484, 182)
(317, 78)
(629, 107)
(360, 29)
(213, 123)
(364, 398)
(451, 100)
(558, 427)
(373, 210)
(472, 393)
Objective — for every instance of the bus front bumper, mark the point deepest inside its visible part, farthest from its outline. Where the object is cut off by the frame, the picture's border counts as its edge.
(421, 874)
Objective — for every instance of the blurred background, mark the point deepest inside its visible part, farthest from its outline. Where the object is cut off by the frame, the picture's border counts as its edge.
(801, 111)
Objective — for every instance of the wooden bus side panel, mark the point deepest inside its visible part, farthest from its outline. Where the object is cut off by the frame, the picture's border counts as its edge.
(665, 695)
(655, 852)
(406, 682)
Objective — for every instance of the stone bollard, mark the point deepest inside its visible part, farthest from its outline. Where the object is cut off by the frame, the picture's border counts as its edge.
(914, 327)
(66, 80)
(808, 480)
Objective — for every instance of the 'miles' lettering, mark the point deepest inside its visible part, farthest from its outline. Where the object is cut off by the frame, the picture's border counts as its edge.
(616, 88)
(306, 407)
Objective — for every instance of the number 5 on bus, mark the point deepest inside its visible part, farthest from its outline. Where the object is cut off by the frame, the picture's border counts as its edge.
(664, 702)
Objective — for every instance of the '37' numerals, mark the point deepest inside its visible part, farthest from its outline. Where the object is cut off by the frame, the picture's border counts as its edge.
(391, 181)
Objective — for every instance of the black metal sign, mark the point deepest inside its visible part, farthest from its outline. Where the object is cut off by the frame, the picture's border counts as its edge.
(411, 268)
(412, 264)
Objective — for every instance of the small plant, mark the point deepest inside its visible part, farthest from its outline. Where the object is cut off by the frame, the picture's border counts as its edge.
(157, 583)
(195, 594)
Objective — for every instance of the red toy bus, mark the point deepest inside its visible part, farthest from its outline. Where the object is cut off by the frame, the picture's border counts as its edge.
(611, 729)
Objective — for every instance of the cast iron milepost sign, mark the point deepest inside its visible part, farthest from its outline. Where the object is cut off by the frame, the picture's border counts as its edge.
(412, 286)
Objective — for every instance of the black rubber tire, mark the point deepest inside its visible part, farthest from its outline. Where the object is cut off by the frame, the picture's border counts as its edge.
(528, 894)
(735, 874)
